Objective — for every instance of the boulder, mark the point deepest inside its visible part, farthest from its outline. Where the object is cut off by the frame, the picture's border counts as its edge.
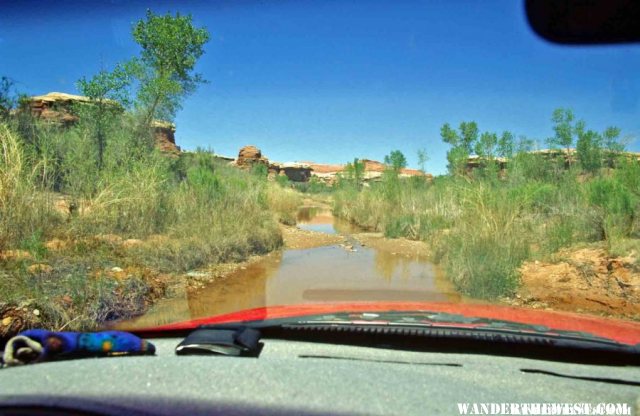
(250, 152)
(249, 156)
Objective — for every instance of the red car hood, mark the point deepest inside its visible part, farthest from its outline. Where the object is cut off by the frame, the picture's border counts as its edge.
(621, 331)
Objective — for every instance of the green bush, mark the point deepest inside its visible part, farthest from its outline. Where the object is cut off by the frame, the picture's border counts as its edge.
(628, 174)
(313, 186)
(34, 245)
(283, 180)
(259, 170)
(484, 266)
(615, 205)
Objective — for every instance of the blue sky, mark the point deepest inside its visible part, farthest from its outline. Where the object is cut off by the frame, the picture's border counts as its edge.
(337, 79)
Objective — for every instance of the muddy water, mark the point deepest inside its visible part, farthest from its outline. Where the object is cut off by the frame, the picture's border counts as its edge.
(335, 273)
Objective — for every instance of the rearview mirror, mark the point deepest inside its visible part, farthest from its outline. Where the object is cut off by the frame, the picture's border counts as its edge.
(585, 21)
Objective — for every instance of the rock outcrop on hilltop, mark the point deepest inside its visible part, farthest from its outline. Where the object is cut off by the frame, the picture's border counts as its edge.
(250, 155)
(60, 108)
(372, 171)
(57, 107)
(164, 134)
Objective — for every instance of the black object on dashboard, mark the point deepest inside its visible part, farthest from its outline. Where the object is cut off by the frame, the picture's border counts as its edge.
(232, 342)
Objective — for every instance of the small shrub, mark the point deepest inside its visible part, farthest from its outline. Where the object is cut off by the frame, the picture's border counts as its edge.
(284, 202)
(259, 170)
(283, 181)
(402, 226)
(615, 205)
(34, 245)
(559, 234)
(484, 266)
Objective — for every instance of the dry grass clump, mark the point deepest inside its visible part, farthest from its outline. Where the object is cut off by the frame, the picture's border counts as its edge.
(284, 202)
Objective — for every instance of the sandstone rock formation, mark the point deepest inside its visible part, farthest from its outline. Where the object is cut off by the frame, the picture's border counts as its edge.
(164, 134)
(475, 162)
(249, 156)
(60, 108)
(372, 171)
(56, 107)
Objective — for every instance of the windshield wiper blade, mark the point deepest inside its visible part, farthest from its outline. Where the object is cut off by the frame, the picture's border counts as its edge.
(481, 336)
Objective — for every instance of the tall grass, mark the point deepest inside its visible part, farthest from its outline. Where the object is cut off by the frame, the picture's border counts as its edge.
(217, 213)
(24, 209)
(284, 202)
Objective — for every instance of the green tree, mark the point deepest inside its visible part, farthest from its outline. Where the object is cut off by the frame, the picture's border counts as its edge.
(423, 158)
(486, 146)
(588, 148)
(8, 99)
(108, 87)
(171, 47)
(462, 144)
(354, 173)
(109, 92)
(611, 144)
(506, 145)
(610, 139)
(469, 135)
(563, 129)
(395, 160)
(525, 145)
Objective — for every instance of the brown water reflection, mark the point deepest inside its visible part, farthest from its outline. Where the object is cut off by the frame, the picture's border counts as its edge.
(322, 274)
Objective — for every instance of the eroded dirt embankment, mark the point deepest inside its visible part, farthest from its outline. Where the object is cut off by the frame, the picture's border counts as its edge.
(586, 280)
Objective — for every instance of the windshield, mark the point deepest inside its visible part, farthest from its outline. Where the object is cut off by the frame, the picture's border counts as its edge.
(169, 161)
